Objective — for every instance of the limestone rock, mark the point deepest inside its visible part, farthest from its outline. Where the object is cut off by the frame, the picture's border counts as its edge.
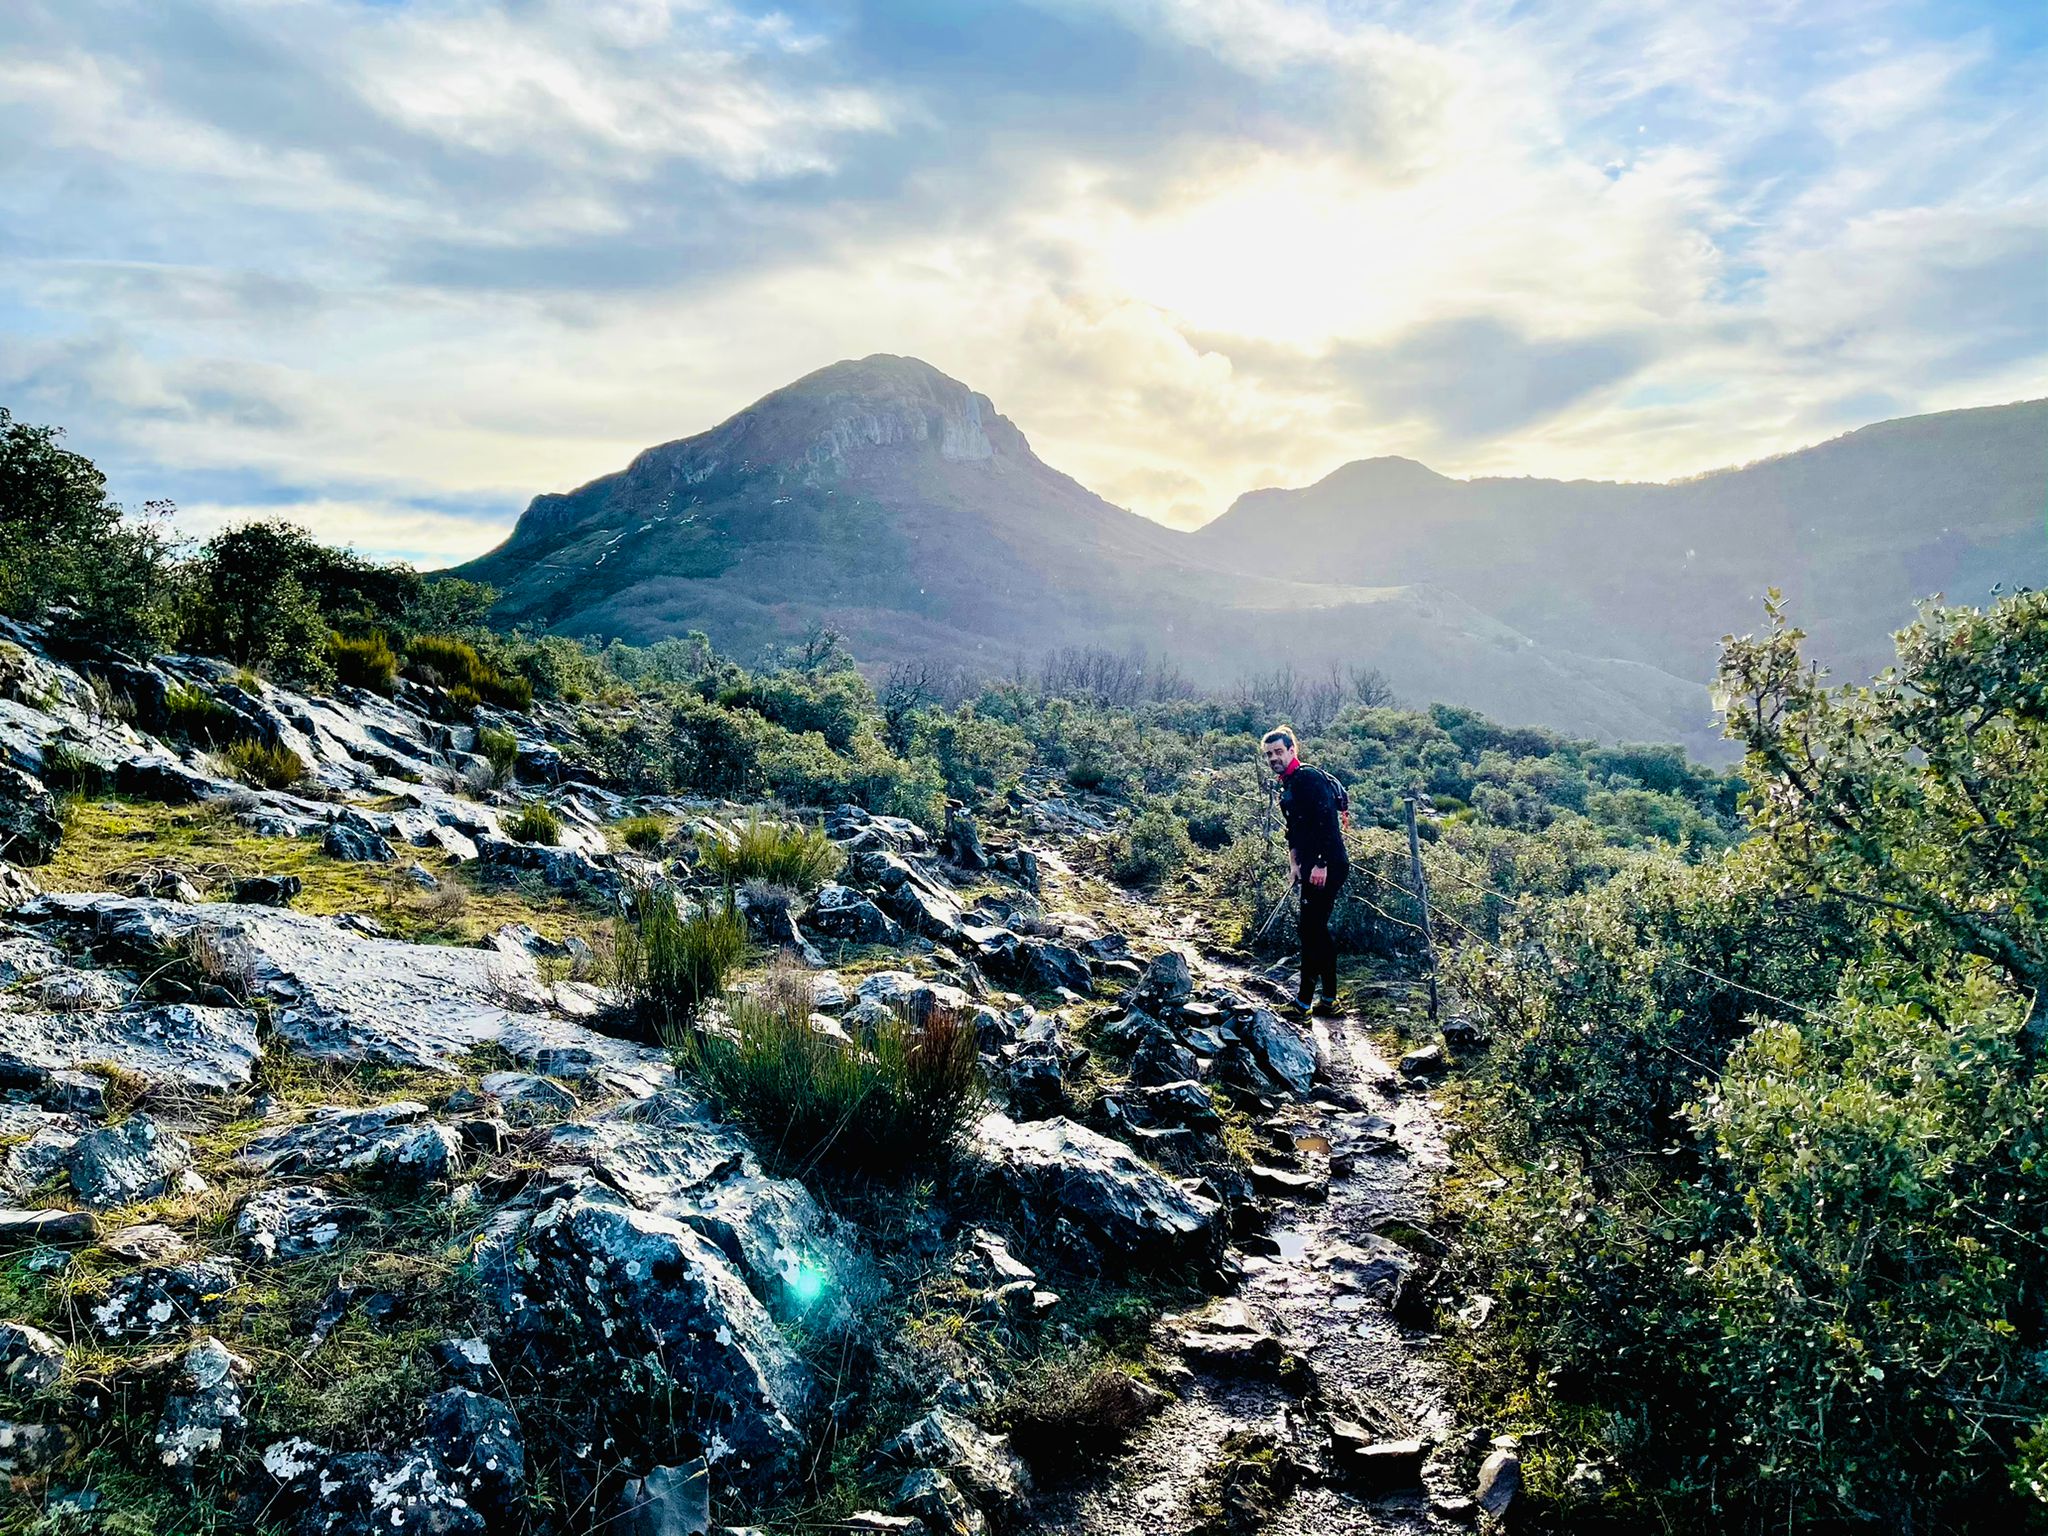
(983, 1464)
(394, 1144)
(1281, 1050)
(354, 845)
(137, 1160)
(1062, 1172)
(170, 1045)
(31, 1361)
(936, 1499)
(162, 1299)
(29, 827)
(841, 912)
(668, 1501)
(294, 1221)
(203, 1415)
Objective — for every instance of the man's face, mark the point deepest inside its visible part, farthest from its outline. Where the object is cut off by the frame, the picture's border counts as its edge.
(1278, 755)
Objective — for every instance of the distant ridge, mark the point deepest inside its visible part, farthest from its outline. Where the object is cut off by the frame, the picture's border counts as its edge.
(900, 505)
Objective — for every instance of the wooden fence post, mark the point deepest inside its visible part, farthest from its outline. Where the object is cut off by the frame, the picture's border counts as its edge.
(1422, 896)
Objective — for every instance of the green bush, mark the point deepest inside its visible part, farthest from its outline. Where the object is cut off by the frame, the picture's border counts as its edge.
(798, 858)
(197, 717)
(1154, 846)
(501, 750)
(446, 662)
(643, 834)
(1066, 1410)
(534, 822)
(368, 662)
(667, 963)
(262, 765)
(895, 1103)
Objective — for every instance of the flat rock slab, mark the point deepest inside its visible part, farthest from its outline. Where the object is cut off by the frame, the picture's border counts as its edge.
(169, 1045)
(340, 996)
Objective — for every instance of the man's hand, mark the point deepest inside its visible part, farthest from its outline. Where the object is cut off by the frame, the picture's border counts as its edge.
(1319, 877)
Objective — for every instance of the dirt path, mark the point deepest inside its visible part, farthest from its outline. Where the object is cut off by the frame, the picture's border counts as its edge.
(1388, 1149)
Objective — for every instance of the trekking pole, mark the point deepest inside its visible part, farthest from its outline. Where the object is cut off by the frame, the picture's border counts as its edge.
(1272, 918)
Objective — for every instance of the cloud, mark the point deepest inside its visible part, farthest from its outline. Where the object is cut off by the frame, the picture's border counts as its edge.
(398, 267)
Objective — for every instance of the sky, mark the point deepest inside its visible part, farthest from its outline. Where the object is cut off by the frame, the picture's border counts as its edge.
(392, 267)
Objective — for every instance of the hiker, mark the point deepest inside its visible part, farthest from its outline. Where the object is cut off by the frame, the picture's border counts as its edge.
(1317, 809)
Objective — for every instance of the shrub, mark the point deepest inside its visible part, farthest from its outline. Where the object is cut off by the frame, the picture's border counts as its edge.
(895, 1103)
(501, 750)
(1065, 1411)
(194, 716)
(446, 662)
(365, 663)
(643, 834)
(1155, 846)
(801, 858)
(261, 765)
(667, 963)
(535, 822)
(68, 771)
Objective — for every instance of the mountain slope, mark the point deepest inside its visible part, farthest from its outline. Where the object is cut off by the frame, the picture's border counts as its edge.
(1852, 531)
(898, 505)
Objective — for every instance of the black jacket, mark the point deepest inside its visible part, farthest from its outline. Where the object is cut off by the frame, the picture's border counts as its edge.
(1309, 800)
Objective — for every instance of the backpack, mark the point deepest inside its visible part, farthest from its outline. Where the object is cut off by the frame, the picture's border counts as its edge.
(1337, 790)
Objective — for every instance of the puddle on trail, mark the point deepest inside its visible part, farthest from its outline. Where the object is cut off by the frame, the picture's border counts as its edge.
(1293, 1246)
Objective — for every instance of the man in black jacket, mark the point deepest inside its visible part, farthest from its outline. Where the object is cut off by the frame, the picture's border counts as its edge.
(1314, 804)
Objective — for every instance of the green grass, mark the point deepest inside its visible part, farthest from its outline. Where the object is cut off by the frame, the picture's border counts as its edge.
(193, 716)
(801, 858)
(897, 1102)
(455, 665)
(501, 750)
(643, 834)
(260, 765)
(68, 771)
(535, 822)
(107, 842)
(668, 964)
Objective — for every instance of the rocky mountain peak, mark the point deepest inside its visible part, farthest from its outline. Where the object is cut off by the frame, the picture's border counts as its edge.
(883, 401)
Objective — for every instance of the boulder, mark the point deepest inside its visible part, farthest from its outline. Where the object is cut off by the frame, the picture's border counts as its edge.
(1500, 1480)
(464, 1476)
(840, 912)
(983, 1464)
(353, 845)
(647, 1321)
(266, 890)
(561, 868)
(393, 1144)
(150, 1243)
(1280, 1050)
(34, 1228)
(162, 1299)
(1386, 1465)
(294, 1221)
(1068, 1178)
(963, 839)
(1424, 1062)
(29, 1449)
(1158, 1058)
(203, 1415)
(70, 991)
(136, 1160)
(1168, 981)
(477, 1439)
(30, 1360)
(29, 826)
(936, 1499)
(161, 777)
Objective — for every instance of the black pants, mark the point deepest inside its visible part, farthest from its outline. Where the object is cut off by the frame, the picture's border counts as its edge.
(1318, 949)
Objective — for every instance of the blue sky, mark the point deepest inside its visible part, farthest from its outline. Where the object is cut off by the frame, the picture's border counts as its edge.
(393, 268)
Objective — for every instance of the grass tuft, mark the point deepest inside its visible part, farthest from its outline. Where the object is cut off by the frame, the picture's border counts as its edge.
(668, 963)
(535, 822)
(261, 765)
(643, 834)
(801, 858)
(368, 662)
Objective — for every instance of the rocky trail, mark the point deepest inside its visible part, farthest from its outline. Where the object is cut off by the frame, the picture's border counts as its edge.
(341, 1228)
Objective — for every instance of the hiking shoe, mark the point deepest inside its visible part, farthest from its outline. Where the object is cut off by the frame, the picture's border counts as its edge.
(1327, 1009)
(1297, 1004)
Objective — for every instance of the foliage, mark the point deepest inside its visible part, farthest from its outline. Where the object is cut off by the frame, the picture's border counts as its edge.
(197, 717)
(263, 765)
(1770, 1132)
(668, 962)
(446, 662)
(447, 605)
(643, 834)
(535, 822)
(897, 1101)
(364, 662)
(501, 750)
(797, 858)
(1154, 846)
(64, 544)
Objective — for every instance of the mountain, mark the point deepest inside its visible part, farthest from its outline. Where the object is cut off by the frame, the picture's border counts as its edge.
(1852, 531)
(898, 505)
